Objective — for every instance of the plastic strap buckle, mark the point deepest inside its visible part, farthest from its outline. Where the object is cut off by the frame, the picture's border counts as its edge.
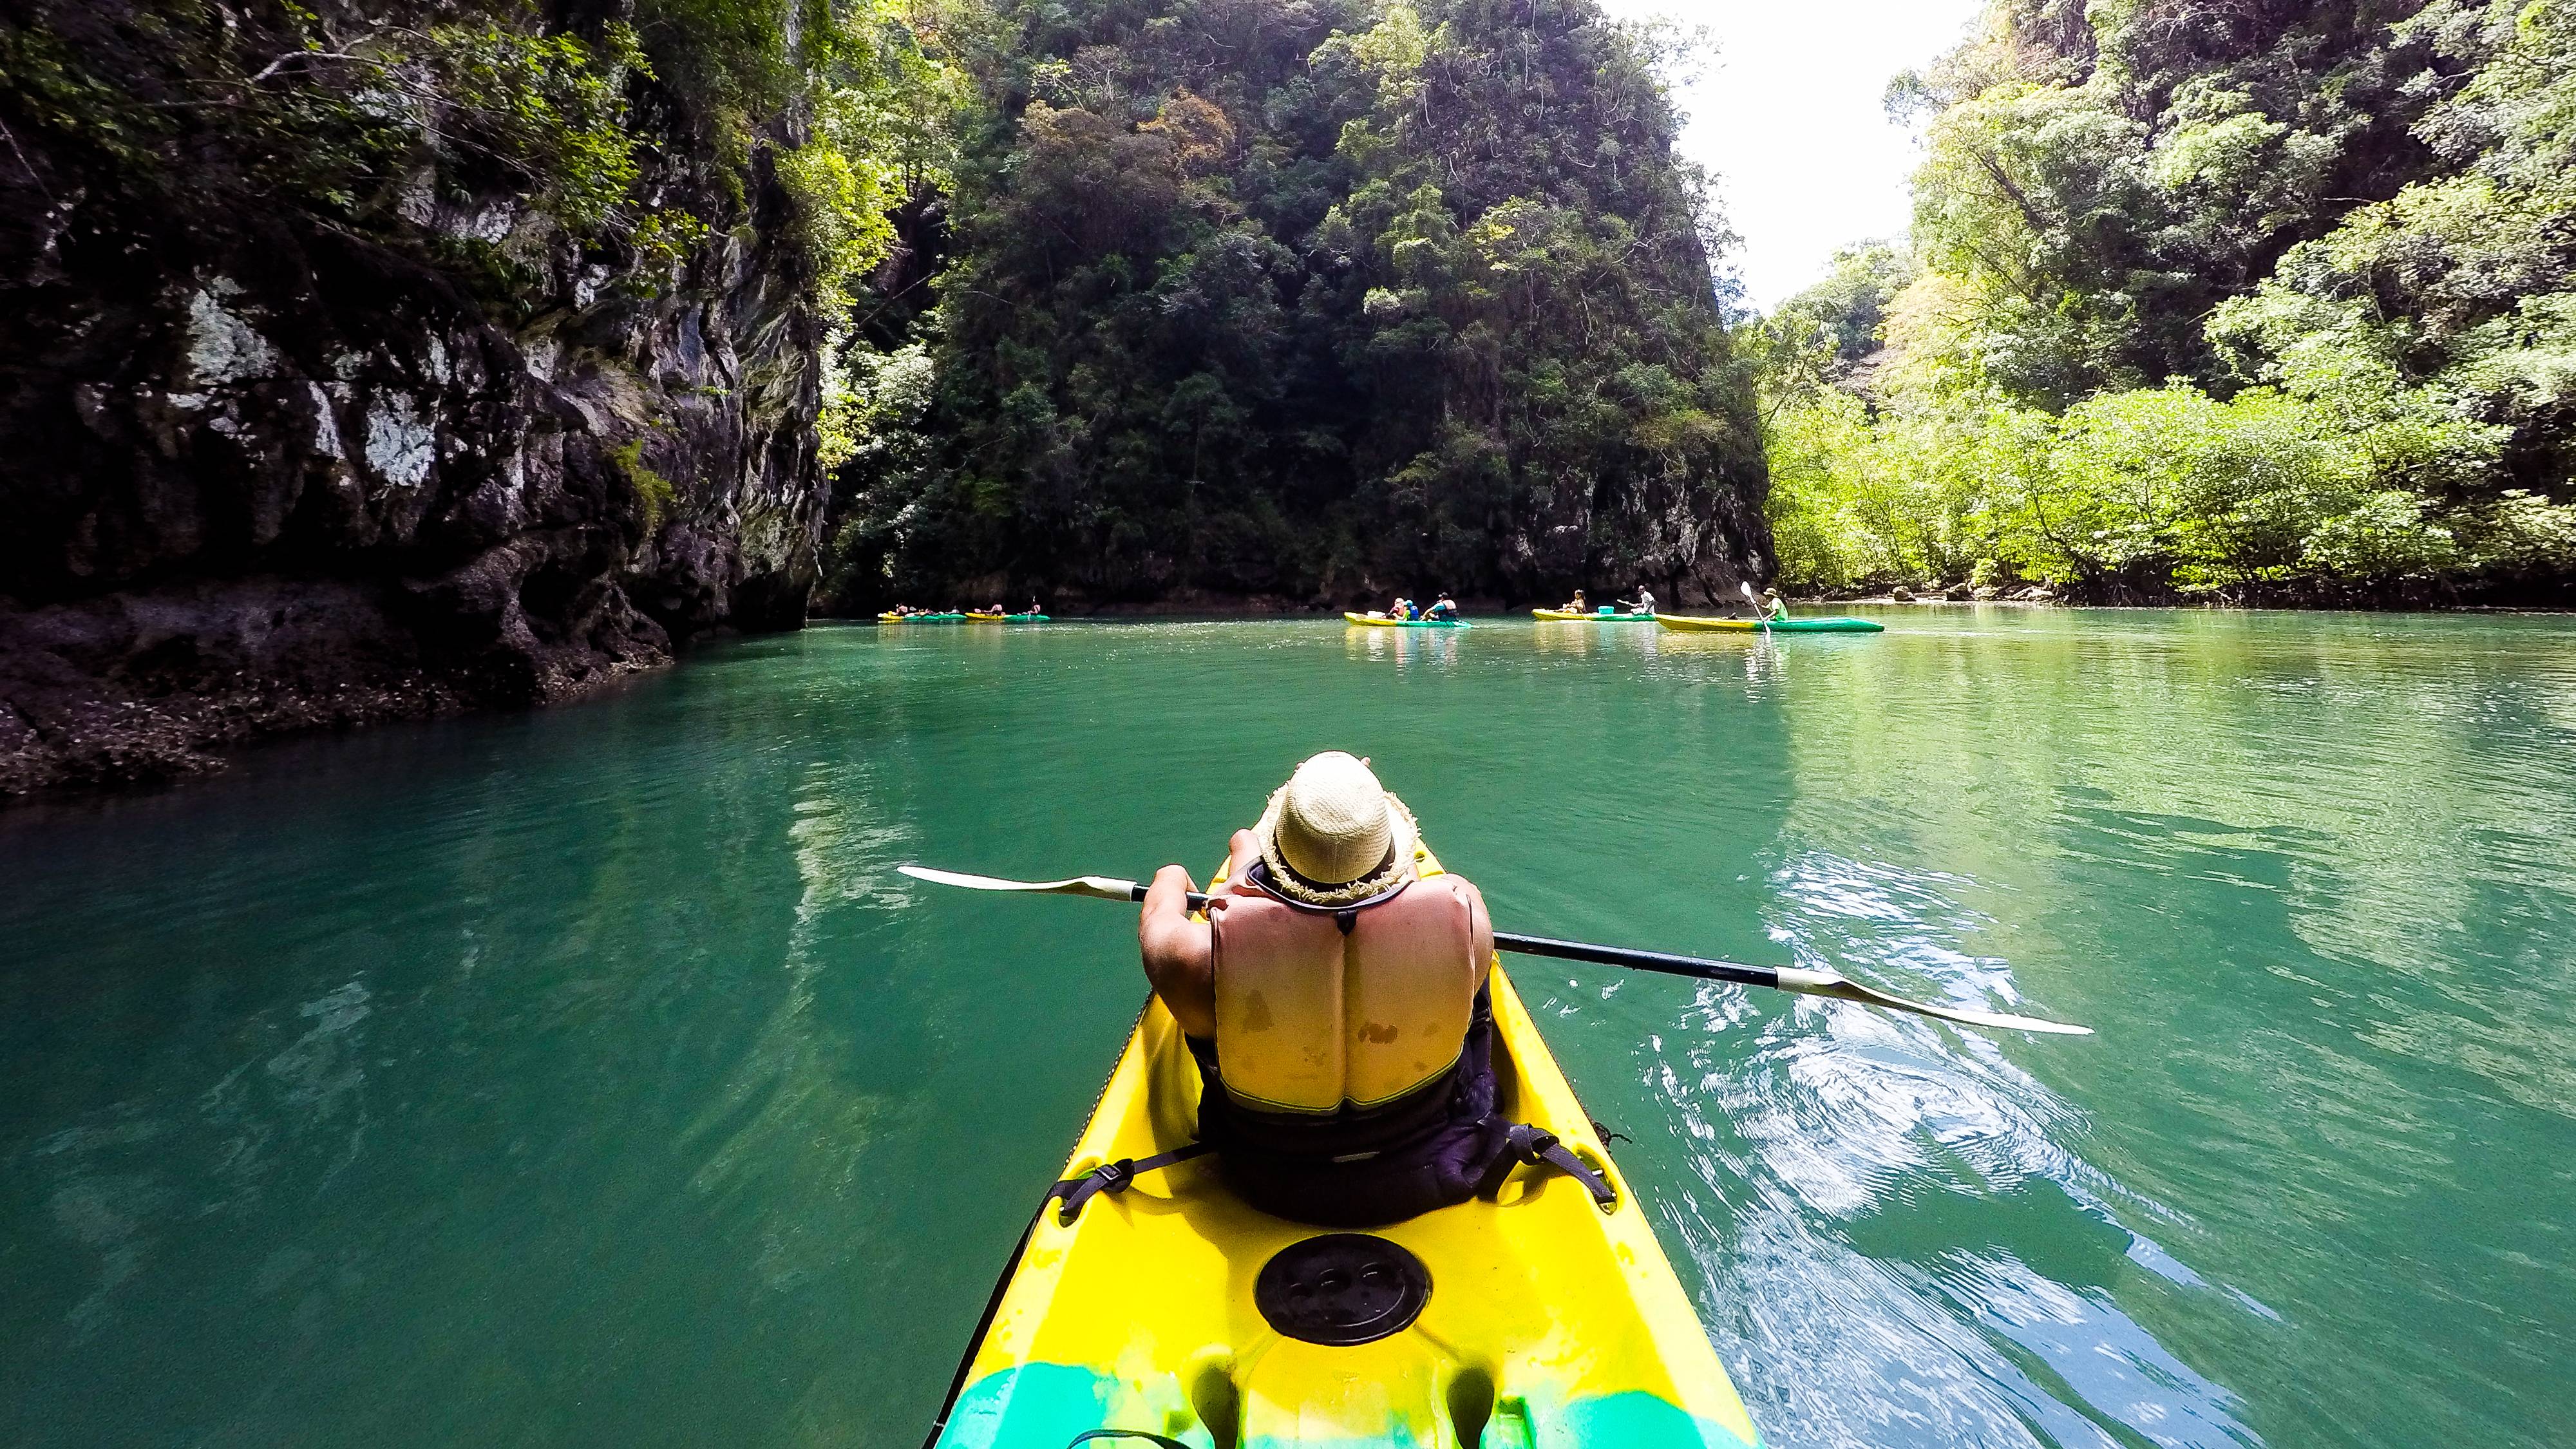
(1541, 1148)
(1112, 1177)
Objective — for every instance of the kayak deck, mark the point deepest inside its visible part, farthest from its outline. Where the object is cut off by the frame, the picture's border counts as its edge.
(1688, 624)
(920, 618)
(1374, 623)
(1598, 616)
(1550, 1321)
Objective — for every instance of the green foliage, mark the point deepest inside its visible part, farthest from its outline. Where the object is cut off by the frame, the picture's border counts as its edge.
(874, 404)
(654, 494)
(841, 204)
(1298, 300)
(549, 107)
(665, 238)
(371, 114)
(2152, 338)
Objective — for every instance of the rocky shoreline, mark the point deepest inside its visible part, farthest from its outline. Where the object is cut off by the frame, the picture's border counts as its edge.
(142, 688)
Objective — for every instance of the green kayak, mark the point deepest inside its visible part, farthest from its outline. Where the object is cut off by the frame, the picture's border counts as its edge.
(1686, 624)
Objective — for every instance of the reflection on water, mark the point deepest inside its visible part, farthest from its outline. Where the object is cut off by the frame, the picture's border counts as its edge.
(588, 1078)
(1402, 647)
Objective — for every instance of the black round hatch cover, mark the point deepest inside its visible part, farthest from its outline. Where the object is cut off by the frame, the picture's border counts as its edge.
(1342, 1289)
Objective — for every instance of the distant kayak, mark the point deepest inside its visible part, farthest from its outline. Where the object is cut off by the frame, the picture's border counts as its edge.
(1687, 624)
(980, 617)
(1376, 622)
(1598, 616)
(920, 618)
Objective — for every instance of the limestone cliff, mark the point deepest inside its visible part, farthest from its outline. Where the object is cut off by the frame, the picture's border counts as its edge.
(273, 455)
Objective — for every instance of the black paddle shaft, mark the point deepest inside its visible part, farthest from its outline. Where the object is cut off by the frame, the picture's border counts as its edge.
(1659, 961)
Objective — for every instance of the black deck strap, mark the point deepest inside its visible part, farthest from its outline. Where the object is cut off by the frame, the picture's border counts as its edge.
(1524, 1143)
(1148, 1435)
(1114, 1177)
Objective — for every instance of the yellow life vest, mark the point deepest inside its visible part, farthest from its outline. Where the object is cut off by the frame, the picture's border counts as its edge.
(1318, 1010)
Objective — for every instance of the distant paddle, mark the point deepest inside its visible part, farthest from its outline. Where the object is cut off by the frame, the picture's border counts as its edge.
(1779, 978)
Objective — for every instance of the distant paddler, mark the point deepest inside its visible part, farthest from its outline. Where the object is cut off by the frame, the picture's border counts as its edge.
(1644, 603)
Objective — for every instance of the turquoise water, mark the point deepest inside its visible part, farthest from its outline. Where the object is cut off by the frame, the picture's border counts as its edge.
(587, 1078)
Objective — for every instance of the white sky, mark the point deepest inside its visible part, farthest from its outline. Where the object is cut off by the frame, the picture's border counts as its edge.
(1787, 117)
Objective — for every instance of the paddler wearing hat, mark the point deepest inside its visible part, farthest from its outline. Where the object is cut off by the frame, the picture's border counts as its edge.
(1334, 996)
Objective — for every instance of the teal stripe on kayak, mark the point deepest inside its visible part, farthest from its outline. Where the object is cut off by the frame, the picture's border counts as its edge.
(1046, 1404)
(1039, 1403)
(1638, 1419)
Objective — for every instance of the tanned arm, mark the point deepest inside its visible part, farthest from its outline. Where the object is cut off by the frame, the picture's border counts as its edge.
(1179, 953)
(1482, 927)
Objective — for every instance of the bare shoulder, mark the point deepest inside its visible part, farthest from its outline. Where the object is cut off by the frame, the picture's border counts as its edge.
(1463, 887)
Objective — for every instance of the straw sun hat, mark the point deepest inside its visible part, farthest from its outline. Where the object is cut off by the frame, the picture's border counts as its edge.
(1334, 836)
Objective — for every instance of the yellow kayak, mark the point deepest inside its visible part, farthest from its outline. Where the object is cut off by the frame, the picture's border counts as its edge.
(1597, 616)
(1550, 1321)
(979, 616)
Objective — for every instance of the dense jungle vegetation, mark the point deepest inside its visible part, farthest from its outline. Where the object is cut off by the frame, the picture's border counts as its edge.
(2257, 300)
(1303, 300)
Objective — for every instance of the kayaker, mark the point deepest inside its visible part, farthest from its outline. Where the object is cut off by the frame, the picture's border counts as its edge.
(1773, 605)
(1644, 603)
(1579, 605)
(1444, 607)
(1335, 1001)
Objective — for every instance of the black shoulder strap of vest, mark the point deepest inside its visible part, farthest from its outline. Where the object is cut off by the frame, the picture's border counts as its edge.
(1114, 1177)
(1525, 1143)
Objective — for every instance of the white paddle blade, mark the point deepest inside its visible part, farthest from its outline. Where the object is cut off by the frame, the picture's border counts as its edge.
(1843, 988)
(1099, 887)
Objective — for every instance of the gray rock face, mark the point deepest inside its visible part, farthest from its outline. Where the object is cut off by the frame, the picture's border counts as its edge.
(261, 472)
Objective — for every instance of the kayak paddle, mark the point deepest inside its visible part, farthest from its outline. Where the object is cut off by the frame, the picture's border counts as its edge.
(1779, 978)
(1759, 612)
